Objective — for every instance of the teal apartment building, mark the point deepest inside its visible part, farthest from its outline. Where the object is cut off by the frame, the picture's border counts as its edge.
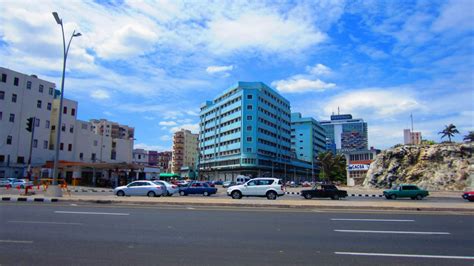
(308, 138)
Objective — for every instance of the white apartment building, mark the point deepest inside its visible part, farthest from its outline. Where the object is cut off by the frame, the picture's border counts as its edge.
(94, 142)
(140, 156)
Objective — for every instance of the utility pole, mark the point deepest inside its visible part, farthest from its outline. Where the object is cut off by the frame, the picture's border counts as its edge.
(411, 116)
(30, 126)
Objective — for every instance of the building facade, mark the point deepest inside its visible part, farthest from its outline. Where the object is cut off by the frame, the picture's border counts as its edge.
(308, 138)
(345, 134)
(247, 130)
(185, 152)
(358, 164)
(411, 138)
(163, 161)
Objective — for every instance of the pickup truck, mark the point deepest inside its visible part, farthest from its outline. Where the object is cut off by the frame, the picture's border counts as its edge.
(324, 191)
(405, 191)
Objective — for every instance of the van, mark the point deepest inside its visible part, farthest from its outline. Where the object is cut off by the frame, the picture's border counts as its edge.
(240, 179)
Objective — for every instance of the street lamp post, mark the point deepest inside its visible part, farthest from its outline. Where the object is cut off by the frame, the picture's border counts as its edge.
(54, 190)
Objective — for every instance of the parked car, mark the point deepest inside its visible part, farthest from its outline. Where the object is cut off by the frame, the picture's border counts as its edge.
(406, 191)
(6, 182)
(218, 182)
(306, 184)
(182, 183)
(198, 188)
(240, 179)
(22, 183)
(258, 187)
(168, 188)
(228, 184)
(210, 183)
(469, 195)
(324, 191)
(140, 188)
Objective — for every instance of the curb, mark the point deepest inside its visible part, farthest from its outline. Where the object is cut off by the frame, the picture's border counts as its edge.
(349, 195)
(91, 190)
(27, 199)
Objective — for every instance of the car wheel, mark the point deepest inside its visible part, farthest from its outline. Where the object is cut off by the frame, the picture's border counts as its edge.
(471, 200)
(387, 196)
(419, 197)
(182, 193)
(151, 194)
(120, 193)
(236, 194)
(413, 198)
(169, 194)
(393, 196)
(335, 197)
(307, 196)
(271, 195)
(205, 193)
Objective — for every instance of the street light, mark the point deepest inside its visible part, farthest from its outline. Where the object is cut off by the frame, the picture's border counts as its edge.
(54, 189)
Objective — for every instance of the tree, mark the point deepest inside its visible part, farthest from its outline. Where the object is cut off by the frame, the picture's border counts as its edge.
(333, 167)
(449, 131)
(469, 137)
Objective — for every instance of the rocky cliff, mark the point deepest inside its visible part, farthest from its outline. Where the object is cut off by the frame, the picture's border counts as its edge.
(447, 166)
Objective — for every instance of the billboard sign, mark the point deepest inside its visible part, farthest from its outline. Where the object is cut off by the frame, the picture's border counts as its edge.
(358, 167)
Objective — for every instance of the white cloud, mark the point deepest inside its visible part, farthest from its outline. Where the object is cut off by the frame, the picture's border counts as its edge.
(194, 128)
(319, 70)
(374, 103)
(100, 95)
(456, 15)
(166, 138)
(300, 85)
(167, 123)
(372, 52)
(150, 147)
(218, 69)
(263, 31)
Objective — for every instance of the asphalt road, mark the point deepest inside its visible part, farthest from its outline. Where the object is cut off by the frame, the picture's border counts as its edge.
(66, 234)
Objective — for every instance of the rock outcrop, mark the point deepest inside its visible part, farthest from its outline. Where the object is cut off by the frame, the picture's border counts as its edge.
(447, 166)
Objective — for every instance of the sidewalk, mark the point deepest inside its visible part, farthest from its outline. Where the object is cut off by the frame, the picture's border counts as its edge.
(297, 203)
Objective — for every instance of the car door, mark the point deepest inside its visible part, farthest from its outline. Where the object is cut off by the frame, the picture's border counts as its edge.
(263, 185)
(250, 188)
(132, 188)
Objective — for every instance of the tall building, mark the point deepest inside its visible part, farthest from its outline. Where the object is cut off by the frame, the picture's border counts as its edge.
(411, 138)
(185, 152)
(345, 133)
(163, 161)
(308, 138)
(246, 130)
(83, 144)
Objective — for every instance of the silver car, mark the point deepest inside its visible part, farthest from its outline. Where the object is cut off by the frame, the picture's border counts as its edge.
(140, 188)
(170, 189)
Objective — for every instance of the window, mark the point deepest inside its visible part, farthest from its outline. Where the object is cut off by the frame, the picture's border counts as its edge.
(16, 81)
(37, 122)
(2, 158)
(45, 144)
(1, 115)
(93, 157)
(46, 124)
(69, 147)
(84, 126)
(4, 77)
(73, 111)
(49, 106)
(81, 156)
(249, 96)
(20, 159)
(53, 127)
(61, 146)
(2, 95)
(249, 149)
(96, 143)
(64, 110)
(249, 128)
(14, 98)
(51, 90)
(113, 155)
(28, 85)
(38, 104)
(249, 107)
(35, 143)
(9, 140)
(71, 129)
(249, 138)
(12, 118)
(63, 127)
(249, 117)
(41, 87)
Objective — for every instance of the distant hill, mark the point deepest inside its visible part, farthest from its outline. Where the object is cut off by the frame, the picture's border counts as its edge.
(447, 166)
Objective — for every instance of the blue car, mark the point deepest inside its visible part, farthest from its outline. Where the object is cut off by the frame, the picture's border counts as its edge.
(197, 188)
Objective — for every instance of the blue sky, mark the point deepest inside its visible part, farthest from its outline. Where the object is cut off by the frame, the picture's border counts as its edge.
(151, 64)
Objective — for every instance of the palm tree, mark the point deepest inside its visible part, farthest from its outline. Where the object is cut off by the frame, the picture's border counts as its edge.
(333, 167)
(469, 137)
(449, 131)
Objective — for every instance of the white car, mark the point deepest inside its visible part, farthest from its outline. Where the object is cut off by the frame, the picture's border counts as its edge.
(22, 183)
(140, 188)
(258, 187)
(170, 189)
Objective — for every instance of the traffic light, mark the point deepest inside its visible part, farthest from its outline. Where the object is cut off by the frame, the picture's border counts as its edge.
(29, 124)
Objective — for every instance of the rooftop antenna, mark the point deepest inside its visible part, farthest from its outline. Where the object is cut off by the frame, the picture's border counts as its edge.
(338, 113)
(411, 116)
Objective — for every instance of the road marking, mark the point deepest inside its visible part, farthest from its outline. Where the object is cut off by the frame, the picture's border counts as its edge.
(372, 220)
(40, 222)
(393, 232)
(93, 213)
(406, 255)
(16, 241)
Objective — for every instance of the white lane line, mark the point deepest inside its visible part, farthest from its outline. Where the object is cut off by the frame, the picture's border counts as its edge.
(372, 220)
(406, 255)
(93, 213)
(40, 222)
(392, 232)
(16, 241)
